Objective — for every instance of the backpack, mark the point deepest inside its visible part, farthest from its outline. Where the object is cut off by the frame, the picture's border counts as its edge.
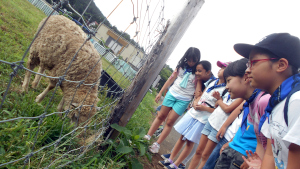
(286, 105)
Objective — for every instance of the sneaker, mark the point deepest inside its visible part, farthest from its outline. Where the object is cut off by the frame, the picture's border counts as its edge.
(165, 156)
(166, 162)
(158, 132)
(181, 166)
(171, 166)
(154, 148)
(147, 137)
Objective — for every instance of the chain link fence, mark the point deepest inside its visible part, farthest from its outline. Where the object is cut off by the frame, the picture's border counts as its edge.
(39, 135)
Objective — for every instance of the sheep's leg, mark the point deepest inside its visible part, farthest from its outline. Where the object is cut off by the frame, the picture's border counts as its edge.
(37, 78)
(30, 66)
(41, 96)
(61, 104)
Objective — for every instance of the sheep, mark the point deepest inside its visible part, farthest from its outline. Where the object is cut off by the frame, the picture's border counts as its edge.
(53, 50)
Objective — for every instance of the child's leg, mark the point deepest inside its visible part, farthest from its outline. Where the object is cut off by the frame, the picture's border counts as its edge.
(179, 144)
(162, 114)
(196, 159)
(211, 162)
(191, 155)
(206, 153)
(186, 151)
(172, 117)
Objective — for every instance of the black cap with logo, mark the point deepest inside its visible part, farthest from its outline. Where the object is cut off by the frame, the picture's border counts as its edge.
(282, 45)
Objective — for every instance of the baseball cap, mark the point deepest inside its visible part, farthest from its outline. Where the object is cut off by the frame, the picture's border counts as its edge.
(222, 64)
(282, 45)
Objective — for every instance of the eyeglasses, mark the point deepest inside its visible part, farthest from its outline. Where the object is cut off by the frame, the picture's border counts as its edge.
(250, 63)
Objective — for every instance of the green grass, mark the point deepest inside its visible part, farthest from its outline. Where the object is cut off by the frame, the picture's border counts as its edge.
(18, 23)
(143, 114)
(115, 74)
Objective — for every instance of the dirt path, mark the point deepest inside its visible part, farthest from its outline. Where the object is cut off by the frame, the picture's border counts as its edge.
(165, 148)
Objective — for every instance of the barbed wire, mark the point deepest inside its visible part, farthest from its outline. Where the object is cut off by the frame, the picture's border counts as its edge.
(98, 124)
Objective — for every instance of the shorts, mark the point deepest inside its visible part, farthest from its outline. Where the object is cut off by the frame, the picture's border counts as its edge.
(210, 132)
(177, 105)
(158, 108)
(229, 158)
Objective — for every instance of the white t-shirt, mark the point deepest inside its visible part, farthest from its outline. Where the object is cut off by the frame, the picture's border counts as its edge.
(233, 128)
(206, 99)
(185, 94)
(218, 117)
(282, 135)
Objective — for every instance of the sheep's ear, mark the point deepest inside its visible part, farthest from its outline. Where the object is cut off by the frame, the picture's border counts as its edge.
(75, 105)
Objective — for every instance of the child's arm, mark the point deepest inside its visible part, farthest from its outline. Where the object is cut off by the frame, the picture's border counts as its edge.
(204, 108)
(196, 102)
(268, 160)
(293, 157)
(259, 149)
(171, 79)
(198, 91)
(229, 120)
(226, 108)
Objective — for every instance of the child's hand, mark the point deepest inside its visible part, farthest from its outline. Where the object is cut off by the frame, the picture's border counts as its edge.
(244, 166)
(223, 147)
(197, 94)
(200, 107)
(253, 160)
(195, 104)
(221, 133)
(157, 98)
(216, 95)
(216, 105)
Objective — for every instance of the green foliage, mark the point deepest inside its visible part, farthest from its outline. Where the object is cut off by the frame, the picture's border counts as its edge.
(131, 144)
(165, 73)
(143, 114)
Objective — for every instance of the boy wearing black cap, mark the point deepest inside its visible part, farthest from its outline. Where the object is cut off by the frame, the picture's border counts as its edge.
(273, 66)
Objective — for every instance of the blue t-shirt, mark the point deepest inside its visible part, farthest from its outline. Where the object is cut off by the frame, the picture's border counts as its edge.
(248, 141)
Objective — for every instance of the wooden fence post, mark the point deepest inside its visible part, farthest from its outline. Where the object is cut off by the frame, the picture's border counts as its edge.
(154, 64)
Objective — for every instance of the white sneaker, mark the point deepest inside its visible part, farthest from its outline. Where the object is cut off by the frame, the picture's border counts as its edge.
(154, 148)
(147, 137)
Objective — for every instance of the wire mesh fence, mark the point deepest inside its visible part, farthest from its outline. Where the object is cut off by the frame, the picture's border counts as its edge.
(80, 75)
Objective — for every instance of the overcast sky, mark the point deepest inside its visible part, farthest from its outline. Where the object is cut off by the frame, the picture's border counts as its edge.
(218, 26)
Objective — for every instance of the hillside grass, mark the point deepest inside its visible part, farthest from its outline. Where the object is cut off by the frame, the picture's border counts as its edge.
(18, 23)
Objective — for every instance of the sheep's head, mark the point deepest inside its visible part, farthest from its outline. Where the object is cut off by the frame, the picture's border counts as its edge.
(81, 112)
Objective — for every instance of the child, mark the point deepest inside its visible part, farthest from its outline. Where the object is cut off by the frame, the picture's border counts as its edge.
(238, 86)
(273, 67)
(194, 120)
(228, 135)
(204, 72)
(208, 139)
(178, 96)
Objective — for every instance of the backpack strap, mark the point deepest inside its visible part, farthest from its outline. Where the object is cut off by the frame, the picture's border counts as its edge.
(224, 92)
(210, 80)
(286, 105)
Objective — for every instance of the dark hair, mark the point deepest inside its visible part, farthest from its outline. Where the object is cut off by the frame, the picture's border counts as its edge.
(205, 64)
(236, 68)
(191, 53)
(272, 55)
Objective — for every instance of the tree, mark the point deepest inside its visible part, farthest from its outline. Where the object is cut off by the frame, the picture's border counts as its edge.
(165, 73)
